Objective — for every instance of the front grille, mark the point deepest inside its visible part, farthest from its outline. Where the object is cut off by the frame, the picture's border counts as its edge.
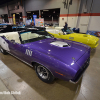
(81, 70)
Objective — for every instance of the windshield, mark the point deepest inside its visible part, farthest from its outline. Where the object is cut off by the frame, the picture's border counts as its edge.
(69, 30)
(32, 36)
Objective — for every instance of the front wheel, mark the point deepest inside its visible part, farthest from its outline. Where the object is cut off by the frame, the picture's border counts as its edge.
(3, 51)
(44, 74)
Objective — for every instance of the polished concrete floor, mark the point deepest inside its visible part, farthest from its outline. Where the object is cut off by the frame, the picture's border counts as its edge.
(17, 76)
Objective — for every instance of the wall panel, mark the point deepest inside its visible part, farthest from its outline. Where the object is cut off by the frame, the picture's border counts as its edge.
(3, 10)
(94, 23)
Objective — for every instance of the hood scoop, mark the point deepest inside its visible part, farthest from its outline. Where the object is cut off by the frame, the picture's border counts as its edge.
(60, 44)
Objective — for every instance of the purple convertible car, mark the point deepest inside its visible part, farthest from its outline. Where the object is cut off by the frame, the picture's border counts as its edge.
(51, 57)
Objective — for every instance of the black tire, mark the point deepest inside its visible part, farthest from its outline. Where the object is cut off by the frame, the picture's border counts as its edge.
(44, 74)
(3, 51)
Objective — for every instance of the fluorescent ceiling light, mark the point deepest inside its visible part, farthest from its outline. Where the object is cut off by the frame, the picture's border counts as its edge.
(28, 12)
(45, 10)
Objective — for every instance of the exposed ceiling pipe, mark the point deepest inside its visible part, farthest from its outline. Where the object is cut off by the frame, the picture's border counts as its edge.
(86, 4)
(70, 2)
(90, 13)
(8, 10)
(78, 13)
(68, 11)
(67, 6)
(64, 2)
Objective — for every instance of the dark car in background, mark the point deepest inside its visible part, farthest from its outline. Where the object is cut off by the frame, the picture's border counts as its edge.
(20, 28)
(5, 28)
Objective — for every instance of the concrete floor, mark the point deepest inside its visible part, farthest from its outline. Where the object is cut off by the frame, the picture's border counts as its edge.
(17, 76)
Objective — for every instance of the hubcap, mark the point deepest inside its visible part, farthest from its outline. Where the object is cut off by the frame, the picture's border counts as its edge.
(43, 72)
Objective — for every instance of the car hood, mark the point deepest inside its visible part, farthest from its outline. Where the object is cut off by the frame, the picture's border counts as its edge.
(66, 54)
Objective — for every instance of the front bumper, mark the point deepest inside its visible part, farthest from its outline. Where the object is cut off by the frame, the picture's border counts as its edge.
(97, 43)
(80, 72)
(94, 45)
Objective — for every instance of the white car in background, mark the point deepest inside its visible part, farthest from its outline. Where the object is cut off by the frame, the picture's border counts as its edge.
(55, 30)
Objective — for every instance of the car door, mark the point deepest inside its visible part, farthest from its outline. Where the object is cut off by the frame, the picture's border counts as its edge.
(27, 54)
(20, 51)
(67, 36)
(15, 49)
(71, 37)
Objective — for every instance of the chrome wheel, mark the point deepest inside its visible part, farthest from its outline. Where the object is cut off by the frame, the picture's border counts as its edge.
(1, 50)
(43, 72)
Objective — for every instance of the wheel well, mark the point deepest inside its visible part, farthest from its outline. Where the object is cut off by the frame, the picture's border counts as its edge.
(34, 63)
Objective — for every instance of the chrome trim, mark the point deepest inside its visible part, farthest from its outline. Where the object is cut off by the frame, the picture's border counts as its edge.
(76, 81)
(72, 82)
(20, 59)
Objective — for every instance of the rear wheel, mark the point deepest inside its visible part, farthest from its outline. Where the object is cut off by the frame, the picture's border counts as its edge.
(44, 74)
(3, 51)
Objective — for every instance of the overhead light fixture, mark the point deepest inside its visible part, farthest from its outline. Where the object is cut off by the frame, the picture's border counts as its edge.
(28, 12)
(45, 10)
(17, 13)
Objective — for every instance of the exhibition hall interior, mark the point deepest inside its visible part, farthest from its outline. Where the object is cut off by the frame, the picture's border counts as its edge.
(49, 50)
